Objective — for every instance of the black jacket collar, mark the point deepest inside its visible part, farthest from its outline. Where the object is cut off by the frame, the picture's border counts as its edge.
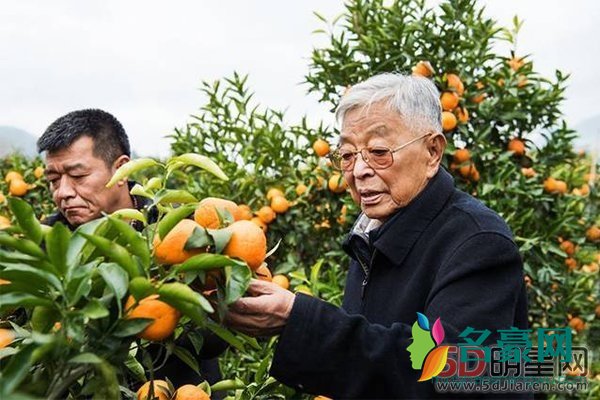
(397, 236)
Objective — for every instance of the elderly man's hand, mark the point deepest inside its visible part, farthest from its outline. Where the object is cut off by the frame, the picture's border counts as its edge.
(263, 314)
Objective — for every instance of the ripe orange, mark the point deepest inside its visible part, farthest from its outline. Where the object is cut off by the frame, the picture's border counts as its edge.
(12, 175)
(516, 63)
(474, 174)
(522, 81)
(479, 98)
(423, 68)
(462, 114)
(465, 170)
(282, 281)
(266, 214)
(321, 147)
(455, 83)
(170, 250)
(258, 222)
(461, 155)
(279, 204)
(301, 189)
(516, 146)
(245, 212)
(248, 242)
(337, 183)
(165, 317)
(479, 85)
(449, 121)
(577, 323)
(2, 197)
(273, 192)
(593, 233)
(528, 172)
(18, 187)
(584, 189)
(4, 222)
(162, 390)
(4, 282)
(449, 101)
(571, 263)
(552, 185)
(206, 213)
(568, 247)
(264, 273)
(561, 186)
(6, 337)
(190, 392)
(597, 311)
(38, 172)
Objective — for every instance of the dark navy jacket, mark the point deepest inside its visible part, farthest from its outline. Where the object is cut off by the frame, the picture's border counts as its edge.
(445, 255)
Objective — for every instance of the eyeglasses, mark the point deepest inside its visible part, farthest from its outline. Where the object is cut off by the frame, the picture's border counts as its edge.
(377, 157)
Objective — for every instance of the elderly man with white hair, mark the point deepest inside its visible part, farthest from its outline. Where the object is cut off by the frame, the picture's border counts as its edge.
(419, 245)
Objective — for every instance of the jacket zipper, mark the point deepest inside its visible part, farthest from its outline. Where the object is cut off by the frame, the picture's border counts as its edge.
(367, 273)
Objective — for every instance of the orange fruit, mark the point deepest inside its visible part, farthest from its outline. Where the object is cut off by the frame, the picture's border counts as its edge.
(18, 187)
(516, 146)
(449, 101)
(245, 212)
(561, 186)
(423, 68)
(455, 83)
(449, 121)
(206, 213)
(6, 337)
(597, 311)
(38, 172)
(273, 192)
(321, 397)
(479, 85)
(337, 183)
(301, 189)
(479, 98)
(550, 185)
(165, 317)
(266, 214)
(577, 323)
(2, 197)
(248, 242)
(170, 250)
(264, 273)
(162, 390)
(568, 247)
(321, 147)
(591, 268)
(190, 392)
(571, 263)
(593, 233)
(12, 175)
(4, 282)
(500, 82)
(4, 222)
(279, 204)
(585, 189)
(521, 81)
(528, 172)
(461, 155)
(462, 114)
(516, 63)
(282, 281)
(465, 170)
(258, 222)
(474, 174)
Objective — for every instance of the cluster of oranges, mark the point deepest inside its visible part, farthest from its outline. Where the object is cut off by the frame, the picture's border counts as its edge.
(16, 183)
(162, 390)
(461, 161)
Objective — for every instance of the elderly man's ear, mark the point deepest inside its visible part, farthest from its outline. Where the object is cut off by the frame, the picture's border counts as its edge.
(123, 159)
(436, 144)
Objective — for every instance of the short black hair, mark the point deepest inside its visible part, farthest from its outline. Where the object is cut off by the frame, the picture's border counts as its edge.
(110, 139)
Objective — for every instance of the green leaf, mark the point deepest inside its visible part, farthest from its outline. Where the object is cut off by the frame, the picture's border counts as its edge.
(85, 358)
(25, 246)
(57, 246)
(153, 184)
(206, 261)
(141, 287)
(95, 309)
(132, 240)
(135, 367)
(225, 334)
(110, 388)
(199, 239)
(130, 213)
(138, 190)
(9, 300)
(199, 161)
(130, 327)
(184, 355)
(173, 217)
(220, 237)
(237, 282)
(16, 370)
(129, 168)
(116, 253)
(175, 293)
(26, 219)
(33, 276)
(167, 196)
(116, 279)
(261, 371)
(78, 244)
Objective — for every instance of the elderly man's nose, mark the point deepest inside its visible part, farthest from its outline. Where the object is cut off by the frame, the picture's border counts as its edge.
(361, 167)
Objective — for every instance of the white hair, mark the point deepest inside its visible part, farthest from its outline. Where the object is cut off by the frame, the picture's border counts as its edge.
(414, 98)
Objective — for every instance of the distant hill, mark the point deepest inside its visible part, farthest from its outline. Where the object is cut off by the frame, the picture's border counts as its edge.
(14, 139)
(589, 134)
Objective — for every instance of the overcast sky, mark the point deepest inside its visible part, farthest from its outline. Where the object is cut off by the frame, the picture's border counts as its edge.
(143, 61)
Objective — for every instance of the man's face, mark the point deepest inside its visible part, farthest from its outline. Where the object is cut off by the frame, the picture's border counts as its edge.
(383, 191)
(77, 181)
